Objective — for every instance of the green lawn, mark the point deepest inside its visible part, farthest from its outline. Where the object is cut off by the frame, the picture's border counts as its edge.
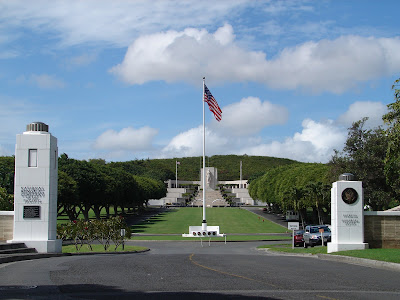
(288, 249)
(230, 220)
(229, 238)
(388, 255)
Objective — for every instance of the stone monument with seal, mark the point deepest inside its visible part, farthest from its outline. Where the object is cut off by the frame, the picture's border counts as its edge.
(35, 189)
(347, 215)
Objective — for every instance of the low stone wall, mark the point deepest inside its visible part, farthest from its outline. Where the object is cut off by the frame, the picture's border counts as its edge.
(382, 229)
(6, 225)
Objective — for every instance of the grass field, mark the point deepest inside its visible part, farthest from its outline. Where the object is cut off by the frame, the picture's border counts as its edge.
(230, 220)
(388, 255)
(229, 238)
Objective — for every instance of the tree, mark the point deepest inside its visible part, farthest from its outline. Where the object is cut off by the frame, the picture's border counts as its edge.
(7, 169)
(90, 183)
(392, 157)
(6, 200)
(363, 155)
(318, 195)
(286, 187)
(68, 198)
(296, 197)
(149, 189)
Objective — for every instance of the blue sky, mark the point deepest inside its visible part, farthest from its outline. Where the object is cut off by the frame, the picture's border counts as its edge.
(122, 80)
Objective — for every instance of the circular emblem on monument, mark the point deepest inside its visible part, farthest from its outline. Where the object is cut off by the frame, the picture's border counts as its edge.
(349, 195)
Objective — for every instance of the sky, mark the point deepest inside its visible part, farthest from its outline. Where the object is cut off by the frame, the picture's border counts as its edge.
(123, 80)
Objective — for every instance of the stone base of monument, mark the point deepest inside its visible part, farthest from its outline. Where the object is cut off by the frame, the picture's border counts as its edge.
(333, 247)
(204, 232)
(48, 246)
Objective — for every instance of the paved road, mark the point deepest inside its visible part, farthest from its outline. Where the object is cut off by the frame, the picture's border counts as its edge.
(189, 271)
(276, 218)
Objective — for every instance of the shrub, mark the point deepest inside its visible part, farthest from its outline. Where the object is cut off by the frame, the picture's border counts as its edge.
(85, 232)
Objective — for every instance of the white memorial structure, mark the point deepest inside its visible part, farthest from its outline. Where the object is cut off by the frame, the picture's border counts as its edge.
(35, 189)
(211, 178)
(347, 215)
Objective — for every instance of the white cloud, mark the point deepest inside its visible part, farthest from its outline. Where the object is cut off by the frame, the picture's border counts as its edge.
(188, 55)
(81, 60)
(314, 144)
(116, 22)
(250, 116)
(334, 65)
(328, 65)
(129, 138)
(190, 143)
(43, 81)
(358, 110)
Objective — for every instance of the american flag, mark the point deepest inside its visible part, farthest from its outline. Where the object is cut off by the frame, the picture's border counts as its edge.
(212, 104)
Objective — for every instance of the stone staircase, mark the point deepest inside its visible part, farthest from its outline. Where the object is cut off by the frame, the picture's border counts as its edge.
(10, 252)
(15, 248)
(213, 198)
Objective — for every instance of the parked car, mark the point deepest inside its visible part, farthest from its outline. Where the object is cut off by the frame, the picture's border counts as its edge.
(312, 235)
(298, 237)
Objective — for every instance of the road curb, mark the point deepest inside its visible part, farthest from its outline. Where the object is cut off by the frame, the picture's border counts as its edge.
(361, 261)
(344, 259)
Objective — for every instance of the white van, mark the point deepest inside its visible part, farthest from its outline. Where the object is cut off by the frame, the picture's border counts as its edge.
(292, 215)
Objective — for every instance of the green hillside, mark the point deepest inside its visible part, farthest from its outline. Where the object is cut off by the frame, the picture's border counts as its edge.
(189, 169)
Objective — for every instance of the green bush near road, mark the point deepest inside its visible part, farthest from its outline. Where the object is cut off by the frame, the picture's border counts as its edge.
(99, 248)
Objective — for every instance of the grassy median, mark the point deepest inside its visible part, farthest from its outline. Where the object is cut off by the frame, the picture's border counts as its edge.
(229, 220)
(388, 255)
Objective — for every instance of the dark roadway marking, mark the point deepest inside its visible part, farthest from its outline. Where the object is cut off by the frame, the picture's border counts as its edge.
(229, 274)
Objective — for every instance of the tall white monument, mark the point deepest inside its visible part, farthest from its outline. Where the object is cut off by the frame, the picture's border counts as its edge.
(35, 190)
(347, 215)
(211, 178)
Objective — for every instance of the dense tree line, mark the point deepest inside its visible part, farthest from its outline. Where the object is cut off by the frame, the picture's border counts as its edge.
(95, 185)
(7, 168)
(295, 187)
(189, 169)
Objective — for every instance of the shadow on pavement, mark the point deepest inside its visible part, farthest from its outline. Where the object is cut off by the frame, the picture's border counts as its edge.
(95, 291)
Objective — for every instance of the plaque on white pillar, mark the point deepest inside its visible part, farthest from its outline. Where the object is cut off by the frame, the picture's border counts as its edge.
(347, 217)
(35, 189)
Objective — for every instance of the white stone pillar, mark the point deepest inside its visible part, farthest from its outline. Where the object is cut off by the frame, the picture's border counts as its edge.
(35, 189)
(347, 217)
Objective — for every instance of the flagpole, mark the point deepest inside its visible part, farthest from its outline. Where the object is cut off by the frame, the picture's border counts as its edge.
(176, 174)
(204, 223)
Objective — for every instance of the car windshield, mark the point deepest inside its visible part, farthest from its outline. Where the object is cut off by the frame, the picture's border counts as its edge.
(316, 229)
